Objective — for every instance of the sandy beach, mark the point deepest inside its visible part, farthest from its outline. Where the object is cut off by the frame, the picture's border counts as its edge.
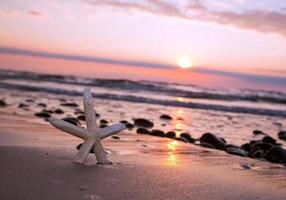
(36, 163)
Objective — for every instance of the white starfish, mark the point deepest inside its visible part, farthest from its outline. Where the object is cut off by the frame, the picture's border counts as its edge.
(92, 136)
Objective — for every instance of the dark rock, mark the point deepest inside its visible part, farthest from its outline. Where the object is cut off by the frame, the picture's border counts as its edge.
(207, 145)
(116, 137)
(22, 105)
(72, 120)
(276, 155)
(236, 151)
(129, 126)
(81, 117)
(143, 131)
(43, 115)
(69, 104)
(78, 147)
(213, 140)
(103, 121)
(140, 122)
(188, 137)
(2, 103)
(258, 132)
(246, 147)
(269, 139)
(78, 111)
(223, 139)
(42, 105)
(103, 126)
(166, 117)
(252, 142)
(256, 153)
(182, 139)
(170, 134)
(157, 132)
(124, 122)
(282, 135)
(58, 111)
(262, 145)
(48, 111)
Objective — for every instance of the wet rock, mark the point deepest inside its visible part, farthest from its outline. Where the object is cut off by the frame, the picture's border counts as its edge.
(143, 131)
(103, 126)
(58, 111)
(129, 126)
(262, 145)
(256, 153)
(81, 117)
(188, 137)
(258, 132)
(140, 122)
(282, 135)
(207, 145)
(42, 105)
(48, 111)
(236, 151)
(157, 132)
(78, 111)
(124, 122)
(22, 105)
(166, 117)
(115, 137)
(213, 140)
(276, 155)
(43, 114)
(182, 139)
(78, 147)
(69, 104)
(246, 147)
(2, 103)
(103, 121)
(72, 120)
(269, 139)
(170, 134)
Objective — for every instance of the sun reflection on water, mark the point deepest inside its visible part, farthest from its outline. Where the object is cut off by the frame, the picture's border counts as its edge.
(179, 122)
(172, 159)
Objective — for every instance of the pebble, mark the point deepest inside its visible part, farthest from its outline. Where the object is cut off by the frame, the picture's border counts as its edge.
(188, 137)
(129, 126)
(157, 132)
(81, 117)
(258, 132)
(213, 140)
(22, 105)
(43, 114)
(276, 155)
(103, 126)
(246, 147)
(261, 145)
(269, 139)
(69, 104)
(140, 122)
(166, 117)
(143, 131)
(2, 103)
(72, 120)
(236, 151)
(58, 111)
(170, 134)
(103, 121)
(207, 145)
(115, 137)
(42, 105)
(282, 135)
(256, 153)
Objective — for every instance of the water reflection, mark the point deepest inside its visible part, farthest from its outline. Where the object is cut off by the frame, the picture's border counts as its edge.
(179, 122)
(172, 159)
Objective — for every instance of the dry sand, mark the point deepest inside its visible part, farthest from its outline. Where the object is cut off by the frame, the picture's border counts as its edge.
(36, 163)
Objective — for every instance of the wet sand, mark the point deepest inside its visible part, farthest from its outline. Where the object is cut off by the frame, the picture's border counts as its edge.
(36, 163)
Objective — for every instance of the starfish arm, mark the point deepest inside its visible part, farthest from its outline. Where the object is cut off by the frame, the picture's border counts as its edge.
(111, 130)
(83, 152)
(100, 154)
(89, 110)
(69, 128)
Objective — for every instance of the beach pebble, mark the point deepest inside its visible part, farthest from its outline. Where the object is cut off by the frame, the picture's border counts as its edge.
(166, 117)
(142, 131)
(124, 122)
(282, 135)
(81, 117)
(72, 120)
(246, 147)
(256, 153)
(43, 114)
(115, 137)
(78, 111)
(42, 105)
(58, 111)
(48, 111)
(269, 139)
(157, 132)
(69, 104)
(261, 145)
(129, 126)
(170, 134)
(103, 126)
(213, 140)
(258, 132)
(2, 103)
(140, 122)
(207, 145)
(103, 121)
(22, 105)
(276, 155)
(236, 151)
(188, 137)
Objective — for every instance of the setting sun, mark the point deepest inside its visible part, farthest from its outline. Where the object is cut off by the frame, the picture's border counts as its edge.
(185, 62)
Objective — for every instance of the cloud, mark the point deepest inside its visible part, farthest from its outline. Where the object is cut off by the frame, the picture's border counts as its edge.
(35, 13)
(264, 21)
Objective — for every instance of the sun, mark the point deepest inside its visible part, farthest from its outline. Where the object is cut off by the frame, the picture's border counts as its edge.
(185, 62)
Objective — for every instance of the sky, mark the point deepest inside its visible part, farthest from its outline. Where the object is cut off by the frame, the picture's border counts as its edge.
(232, 43)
